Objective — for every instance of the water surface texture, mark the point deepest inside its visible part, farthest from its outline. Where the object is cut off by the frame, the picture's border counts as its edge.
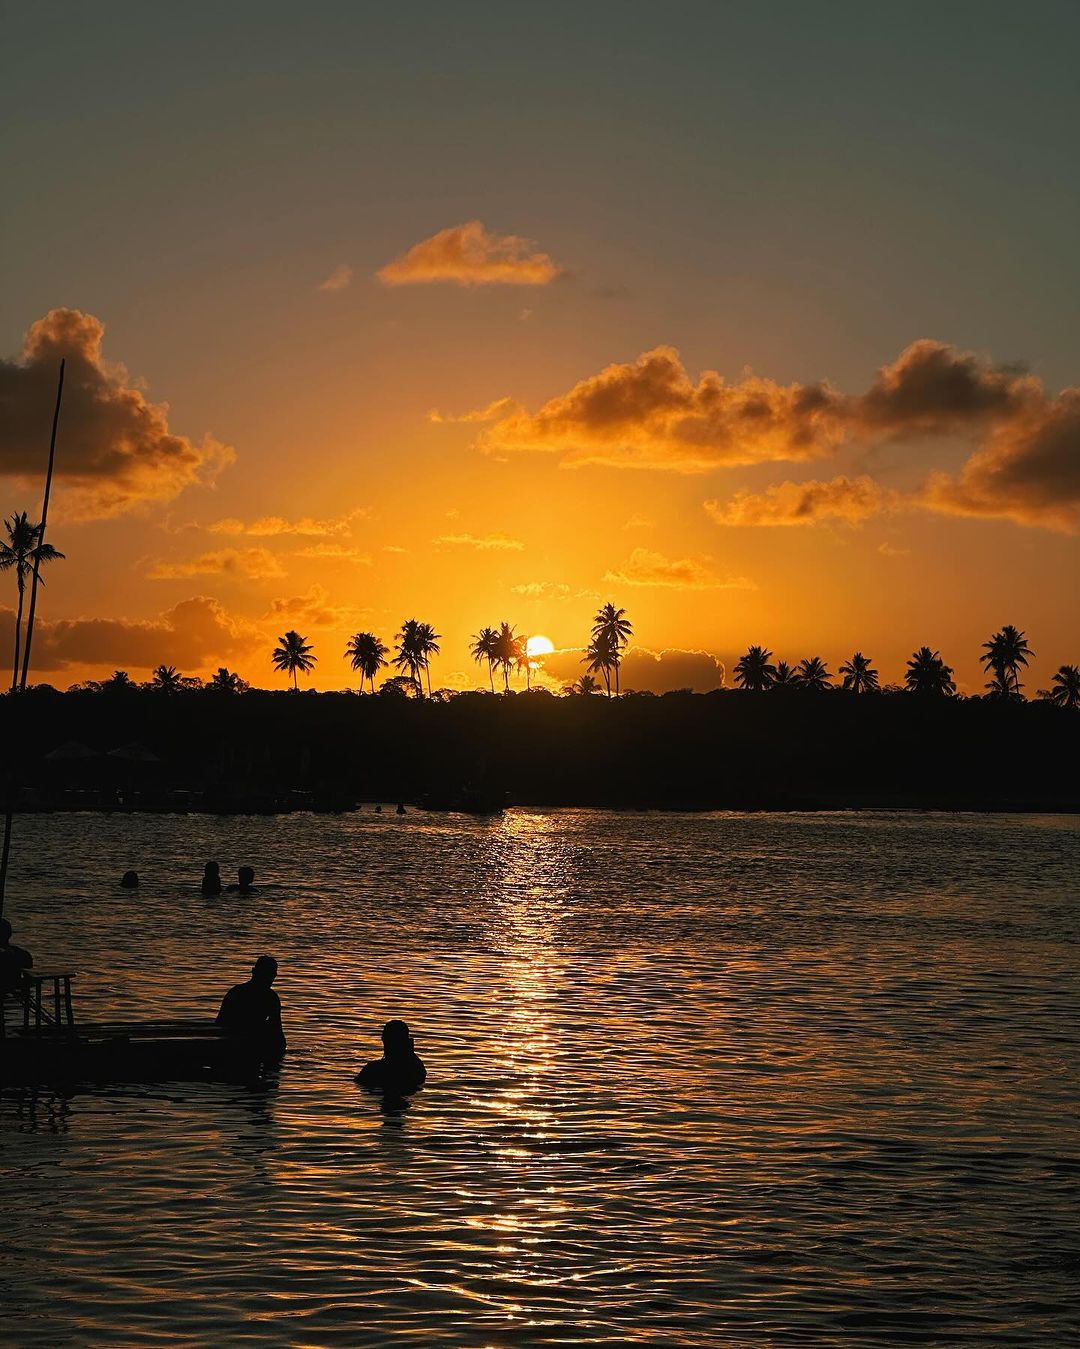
(694, 1080)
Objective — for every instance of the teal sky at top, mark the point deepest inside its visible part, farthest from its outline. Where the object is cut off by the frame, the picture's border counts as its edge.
(856, 174)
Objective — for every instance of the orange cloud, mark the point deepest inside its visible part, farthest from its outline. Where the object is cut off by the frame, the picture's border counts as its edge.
(649, 413)
(335, 552)
(646, 568)
(191, 634)
(469, 255)
(256, 564)
(314, 609)
(851, 500)
(485, 543)
(115, 450)
(270, 526)
(338, 279)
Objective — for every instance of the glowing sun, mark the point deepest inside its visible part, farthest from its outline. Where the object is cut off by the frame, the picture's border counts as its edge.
(539, 646)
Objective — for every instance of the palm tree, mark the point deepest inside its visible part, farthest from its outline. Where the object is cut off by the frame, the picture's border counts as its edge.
(292, 654)
(23, 553)
(754, 672)
(409, 653)
(613, 627)
(812, 675)
(118, 682)
(1066, 690)
(429, 646)
(927, 673)
(859, 675)
(1005, 653)
(485, 647)
(167, 679)
(523, 661)
(582, 687)
(600, 659)
(368, 655)
(507, 652)
(785, 677)
(226, 681)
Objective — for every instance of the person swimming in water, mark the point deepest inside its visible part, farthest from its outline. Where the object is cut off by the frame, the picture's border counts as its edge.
(211, 880)
(400, 1071)
(129, 880)
(253, 1010)
(245, 879)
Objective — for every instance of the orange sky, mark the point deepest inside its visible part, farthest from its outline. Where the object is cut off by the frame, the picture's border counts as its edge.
(350, 359)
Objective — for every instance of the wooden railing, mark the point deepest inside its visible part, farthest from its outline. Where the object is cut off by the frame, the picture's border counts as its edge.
(43, 1012)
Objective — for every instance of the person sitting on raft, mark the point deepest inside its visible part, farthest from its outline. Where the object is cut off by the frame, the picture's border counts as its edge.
(245, 881)
(400, 1070)
(253, 1010)
(14, 960)
(211, 879)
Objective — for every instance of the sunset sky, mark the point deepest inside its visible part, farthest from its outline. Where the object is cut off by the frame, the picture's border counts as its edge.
(759, 320)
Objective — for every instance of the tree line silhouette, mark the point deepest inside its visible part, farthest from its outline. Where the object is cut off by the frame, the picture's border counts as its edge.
(1004, 657)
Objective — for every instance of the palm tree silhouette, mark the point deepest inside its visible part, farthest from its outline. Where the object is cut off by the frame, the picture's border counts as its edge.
(582, 686)
(613, 629)
(812, 675)
(754, 672)
(409, 654)
(507, 652)
(428, 646)
(226, 681)
(785, 677)
(21, 552)
(292, 654)
(927, 673)
(859, 675)
(1005, 653)
(600, 659)
(485, 647)
(1066, 690)
(368, 655)
(167, 679)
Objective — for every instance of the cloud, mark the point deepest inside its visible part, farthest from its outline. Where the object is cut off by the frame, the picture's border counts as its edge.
(649, 413)
(189, 635)
(639, 522)
(1023, 443)
(313, 609)
(851, 500)
(1028, 471)
(469, 255)
(271, 526)
(256, 564)
(552, 590)
(647, 671)
(485, 543)
(338, 279)
(646, 568)
(335, 552)
(115, 450)
(887, 549)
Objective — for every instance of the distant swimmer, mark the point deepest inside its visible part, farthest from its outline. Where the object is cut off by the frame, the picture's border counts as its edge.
(400, 1070)
(401, 808)
(129, 880)
(211, 880)
(378, 810)
(254, 1009)
(245, 879)
(14, 960)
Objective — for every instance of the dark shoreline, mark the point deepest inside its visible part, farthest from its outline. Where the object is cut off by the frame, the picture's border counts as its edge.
(267, 753)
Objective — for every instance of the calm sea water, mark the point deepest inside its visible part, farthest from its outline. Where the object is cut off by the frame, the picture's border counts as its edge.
(694, 1080)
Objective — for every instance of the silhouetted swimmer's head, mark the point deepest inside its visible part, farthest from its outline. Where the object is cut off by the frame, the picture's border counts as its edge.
(397, 1038)
(130, 880)
(5, 932)
(264, 971)
(246, 877)
(211, 869)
